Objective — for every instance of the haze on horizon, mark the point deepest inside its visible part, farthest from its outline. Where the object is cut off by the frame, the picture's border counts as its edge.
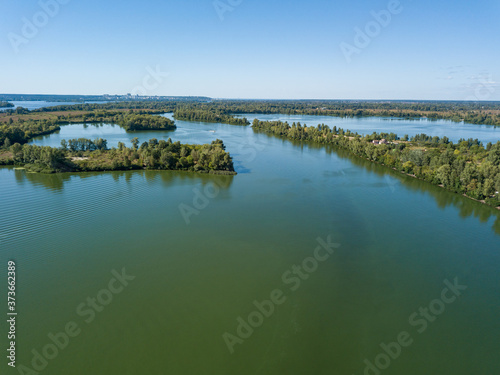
(401, 50)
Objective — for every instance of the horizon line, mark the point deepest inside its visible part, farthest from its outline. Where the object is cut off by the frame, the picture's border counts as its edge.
(135, 97)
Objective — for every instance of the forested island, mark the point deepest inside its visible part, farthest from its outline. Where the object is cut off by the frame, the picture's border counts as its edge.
(81, 155)
(466, 167)
(134, 122)
(206, 115)
(6, 105)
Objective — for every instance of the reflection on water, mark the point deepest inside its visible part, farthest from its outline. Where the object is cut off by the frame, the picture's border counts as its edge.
(56, 181)
(444, 198)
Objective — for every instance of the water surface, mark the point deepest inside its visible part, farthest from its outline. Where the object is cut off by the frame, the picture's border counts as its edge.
(399, 238)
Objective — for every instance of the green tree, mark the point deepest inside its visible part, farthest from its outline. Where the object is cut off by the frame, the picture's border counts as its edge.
(488, 187)
(135, 143)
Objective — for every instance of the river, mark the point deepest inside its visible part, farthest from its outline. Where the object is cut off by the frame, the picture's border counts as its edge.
(204, 253)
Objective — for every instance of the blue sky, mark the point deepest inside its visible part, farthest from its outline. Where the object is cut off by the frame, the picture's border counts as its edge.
(259, 49)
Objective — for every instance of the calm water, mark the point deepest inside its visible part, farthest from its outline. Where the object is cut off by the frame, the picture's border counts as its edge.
(399, 240)
(368, 125)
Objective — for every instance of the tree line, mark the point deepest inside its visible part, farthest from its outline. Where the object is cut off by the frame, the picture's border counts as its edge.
(159, 106)
(134, 122)
(22, 131)
(206, 115)
(84, 144)
(466, 167)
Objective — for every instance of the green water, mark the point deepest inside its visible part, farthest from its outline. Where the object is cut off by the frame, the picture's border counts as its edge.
(399, 238)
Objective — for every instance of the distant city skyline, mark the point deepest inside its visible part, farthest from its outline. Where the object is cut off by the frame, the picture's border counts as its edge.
(237, 49)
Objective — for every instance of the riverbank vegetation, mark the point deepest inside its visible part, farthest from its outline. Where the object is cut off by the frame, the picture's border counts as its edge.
(466, 167)
(80, 155)
(22, 131)
(206, 115)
